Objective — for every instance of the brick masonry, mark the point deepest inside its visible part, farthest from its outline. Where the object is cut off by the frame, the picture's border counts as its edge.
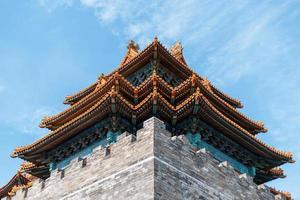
(152, 165)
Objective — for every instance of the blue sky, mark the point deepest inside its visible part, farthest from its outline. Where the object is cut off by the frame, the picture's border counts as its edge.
(52, 48)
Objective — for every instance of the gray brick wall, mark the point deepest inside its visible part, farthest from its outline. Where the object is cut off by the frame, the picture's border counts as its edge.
(153, 165)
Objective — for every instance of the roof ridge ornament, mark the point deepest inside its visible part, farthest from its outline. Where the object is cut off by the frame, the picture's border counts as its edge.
(177, 51)
(132, 45)
(101, 81)
(132, 51)
(206, 83)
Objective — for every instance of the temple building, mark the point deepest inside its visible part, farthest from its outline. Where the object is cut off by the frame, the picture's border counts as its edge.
(151, 129)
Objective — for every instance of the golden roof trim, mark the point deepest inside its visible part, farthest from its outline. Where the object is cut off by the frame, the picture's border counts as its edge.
(129, 86)
(166, 103)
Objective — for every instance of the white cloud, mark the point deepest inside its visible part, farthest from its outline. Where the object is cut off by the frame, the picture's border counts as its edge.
(28, 122)
(90, 3)
(142, 20)
(51, 5)
(224, 32)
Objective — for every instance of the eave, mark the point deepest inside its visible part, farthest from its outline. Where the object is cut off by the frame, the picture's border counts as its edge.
(144, 109)
(240, 135)
(263, 176)
(37, 170)
(87, 102)
(18, 181)
(66, 131)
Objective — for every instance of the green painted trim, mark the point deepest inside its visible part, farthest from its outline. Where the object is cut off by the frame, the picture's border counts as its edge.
(110, 138)
(196, 141)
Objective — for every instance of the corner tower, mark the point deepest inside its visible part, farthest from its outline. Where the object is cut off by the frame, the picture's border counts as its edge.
(195, 145)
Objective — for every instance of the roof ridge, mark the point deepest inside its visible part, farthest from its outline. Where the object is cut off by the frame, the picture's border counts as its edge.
(70, 98)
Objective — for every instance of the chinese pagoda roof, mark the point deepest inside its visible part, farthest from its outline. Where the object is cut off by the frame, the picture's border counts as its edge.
(19, 181)
(172, 92)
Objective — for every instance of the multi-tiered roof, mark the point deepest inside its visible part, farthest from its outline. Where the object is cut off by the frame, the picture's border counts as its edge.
(154, 82)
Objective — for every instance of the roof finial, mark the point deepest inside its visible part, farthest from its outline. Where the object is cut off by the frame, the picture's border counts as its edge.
(177, 51)
(132, 51)
(155, 39)
(132, 45)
